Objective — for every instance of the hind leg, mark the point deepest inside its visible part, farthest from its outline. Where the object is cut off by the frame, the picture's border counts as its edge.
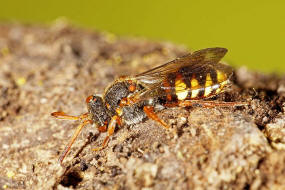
(209, 104)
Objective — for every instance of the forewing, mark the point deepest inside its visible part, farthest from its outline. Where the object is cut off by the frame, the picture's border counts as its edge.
(198, 63)
(196, 59)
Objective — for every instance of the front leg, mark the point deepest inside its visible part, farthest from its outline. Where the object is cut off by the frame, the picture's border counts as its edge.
(75, 135)
(111, 128)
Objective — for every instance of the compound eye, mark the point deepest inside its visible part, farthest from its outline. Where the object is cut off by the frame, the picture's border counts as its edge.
(89, 98)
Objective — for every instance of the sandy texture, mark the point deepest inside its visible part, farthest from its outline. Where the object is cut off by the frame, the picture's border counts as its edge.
(46, 69)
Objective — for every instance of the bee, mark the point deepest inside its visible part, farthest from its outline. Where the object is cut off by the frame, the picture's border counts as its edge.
(186, 81)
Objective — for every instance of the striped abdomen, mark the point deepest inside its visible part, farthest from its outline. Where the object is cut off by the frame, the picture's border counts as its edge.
(196, 83)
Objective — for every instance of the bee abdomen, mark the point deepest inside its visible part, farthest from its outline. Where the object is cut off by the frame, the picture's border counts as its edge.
(200, 85)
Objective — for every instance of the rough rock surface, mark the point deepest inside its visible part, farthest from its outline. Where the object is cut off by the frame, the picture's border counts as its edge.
(46, 69)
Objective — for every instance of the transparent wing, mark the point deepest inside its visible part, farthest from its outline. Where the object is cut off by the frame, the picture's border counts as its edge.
(197, 59)
(198, 63)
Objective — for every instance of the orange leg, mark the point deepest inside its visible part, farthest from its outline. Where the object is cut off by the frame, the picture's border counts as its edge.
(62, 115)
(209, 104)
(151, 114)
(84, 121)
(111, 128)
(128, 101)
(102, 129)
(135, 98)
(75, 135)
(170, 105)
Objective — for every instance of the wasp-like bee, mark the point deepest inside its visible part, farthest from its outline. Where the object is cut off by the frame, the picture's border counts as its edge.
(186, 81)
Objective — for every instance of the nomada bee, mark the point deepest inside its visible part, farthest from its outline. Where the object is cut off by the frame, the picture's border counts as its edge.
(186, 81)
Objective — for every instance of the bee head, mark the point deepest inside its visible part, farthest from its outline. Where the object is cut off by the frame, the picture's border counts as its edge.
(97, 110)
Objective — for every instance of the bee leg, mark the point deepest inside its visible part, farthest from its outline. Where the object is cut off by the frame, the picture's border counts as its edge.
(111, 128)
(151, 114)
(102, 129)
(135, 98)
(222, 104)
(170, 105)
(75, 135)
(183, 103)
(210, 104)
(128, 101)
(62, 115)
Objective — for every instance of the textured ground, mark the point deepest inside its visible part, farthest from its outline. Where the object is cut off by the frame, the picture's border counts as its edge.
(46, 69)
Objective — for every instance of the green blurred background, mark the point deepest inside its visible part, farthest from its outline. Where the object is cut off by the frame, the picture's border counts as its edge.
(253, 31)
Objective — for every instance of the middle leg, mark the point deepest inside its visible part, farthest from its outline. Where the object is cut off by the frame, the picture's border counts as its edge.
(151, 114)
